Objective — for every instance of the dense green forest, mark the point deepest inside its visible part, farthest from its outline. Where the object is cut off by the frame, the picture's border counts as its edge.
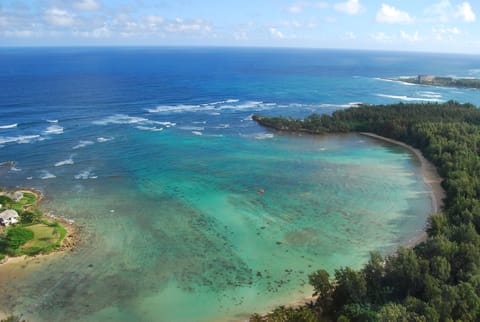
(442, 81)
(439, 279)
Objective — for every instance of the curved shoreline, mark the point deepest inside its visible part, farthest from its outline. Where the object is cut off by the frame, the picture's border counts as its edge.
(429, 171)
(430, 177)
(429, 174)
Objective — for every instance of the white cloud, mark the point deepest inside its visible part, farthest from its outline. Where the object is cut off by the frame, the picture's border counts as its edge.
(241, 35)
(350, 35)
(276, 33)
(391, 15)
(381, 37)
(454, 30)
(410, 37)
(87, 5)
(3, 21)
(102, 32)
(321, 5)
(295, 9)
(465, 12)
(350, 7)
(440, 11)
(300, 6)
(59, 17)
(180, 25)
(153, 22)
(449, 33)
(444, 12)
(20, 33)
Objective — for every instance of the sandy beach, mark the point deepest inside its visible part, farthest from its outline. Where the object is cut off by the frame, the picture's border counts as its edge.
(429, 172)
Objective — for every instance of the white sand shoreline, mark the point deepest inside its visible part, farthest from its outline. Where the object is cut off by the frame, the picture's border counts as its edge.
(429, 172)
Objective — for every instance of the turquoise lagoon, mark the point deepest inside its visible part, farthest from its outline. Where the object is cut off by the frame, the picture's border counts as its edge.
(194, 239)
(190, 211)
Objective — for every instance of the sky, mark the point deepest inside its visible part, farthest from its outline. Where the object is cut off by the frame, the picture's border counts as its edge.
(406, 25)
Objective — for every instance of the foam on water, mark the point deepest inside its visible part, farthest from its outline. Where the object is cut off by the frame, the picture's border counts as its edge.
(22, 139)
(191, 128)
(264, 136)
(82, 144)
(179, 108)
(410, 99)
(104, 139)
(54, 129)
(150, 128)
(205, 229)
(84, 175)
(9, 126)
(399, 81)
(68, 161)
(45, 174)
(430, 94)
(121, 119)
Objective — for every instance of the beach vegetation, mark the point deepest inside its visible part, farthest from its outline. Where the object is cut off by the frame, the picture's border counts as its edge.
(34, 234)
(13, 318)
(438, 279)
(13, 238)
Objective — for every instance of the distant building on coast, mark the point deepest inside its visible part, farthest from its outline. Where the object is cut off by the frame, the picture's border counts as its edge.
(9, 217)
(425, 79)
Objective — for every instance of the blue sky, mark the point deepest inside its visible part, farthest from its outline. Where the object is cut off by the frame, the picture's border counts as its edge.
(421, 25)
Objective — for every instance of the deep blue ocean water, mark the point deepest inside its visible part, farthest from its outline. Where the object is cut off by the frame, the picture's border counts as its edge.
(152, 151)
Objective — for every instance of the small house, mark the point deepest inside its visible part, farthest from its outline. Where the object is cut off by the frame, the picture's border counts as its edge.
(9, 217)
(15, 196)
(422, 79)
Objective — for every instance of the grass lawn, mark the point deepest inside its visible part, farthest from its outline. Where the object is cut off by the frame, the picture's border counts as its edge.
(47, 237)
(27, 200)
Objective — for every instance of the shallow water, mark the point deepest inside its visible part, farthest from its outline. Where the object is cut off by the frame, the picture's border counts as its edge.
(189, 210)
(194, 239)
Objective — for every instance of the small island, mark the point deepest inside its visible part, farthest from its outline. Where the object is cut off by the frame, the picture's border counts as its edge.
(441, 81)
(26, 230)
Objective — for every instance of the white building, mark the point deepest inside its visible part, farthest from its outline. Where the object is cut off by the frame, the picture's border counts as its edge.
(9, 217)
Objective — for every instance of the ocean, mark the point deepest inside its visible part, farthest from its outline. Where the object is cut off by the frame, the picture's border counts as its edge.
(190, 211)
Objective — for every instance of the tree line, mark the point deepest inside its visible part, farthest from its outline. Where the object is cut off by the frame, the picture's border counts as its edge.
(437, 280)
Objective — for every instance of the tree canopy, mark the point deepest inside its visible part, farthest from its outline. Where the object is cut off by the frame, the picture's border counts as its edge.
(439, 279)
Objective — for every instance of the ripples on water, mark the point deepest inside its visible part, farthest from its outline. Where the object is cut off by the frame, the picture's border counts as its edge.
(189, 210)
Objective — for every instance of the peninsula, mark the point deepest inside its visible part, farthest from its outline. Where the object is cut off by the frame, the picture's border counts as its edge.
(441, 81)
(437, 279)
(26, 230)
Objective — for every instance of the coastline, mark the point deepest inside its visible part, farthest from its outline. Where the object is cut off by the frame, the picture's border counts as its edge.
(16, 267)
(68, 242)
(429, 175)
(437, 194)
(428, 170)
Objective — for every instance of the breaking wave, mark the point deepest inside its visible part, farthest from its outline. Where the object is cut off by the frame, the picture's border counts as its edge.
(23, 139)
(54, 129)
(68, 161)
(8, 126)
(47, 175)
(150, 128)
(82, 144)
(102, 139)
(84, 175)
(410, 99)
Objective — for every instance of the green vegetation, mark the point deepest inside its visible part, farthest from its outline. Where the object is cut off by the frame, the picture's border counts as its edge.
(33, 235)
(13, 318)
(13, 238)
(443, 81)
(438, 280)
